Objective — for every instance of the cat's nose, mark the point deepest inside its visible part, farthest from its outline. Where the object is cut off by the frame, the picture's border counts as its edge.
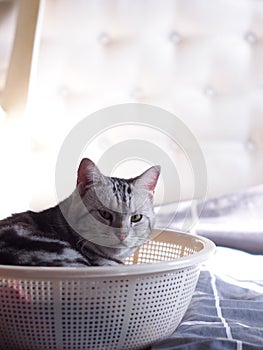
(122, 236)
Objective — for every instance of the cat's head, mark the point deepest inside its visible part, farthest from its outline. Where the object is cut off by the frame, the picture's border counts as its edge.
(117, 213)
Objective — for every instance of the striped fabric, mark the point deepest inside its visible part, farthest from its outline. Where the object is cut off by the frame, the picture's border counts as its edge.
(226, 313)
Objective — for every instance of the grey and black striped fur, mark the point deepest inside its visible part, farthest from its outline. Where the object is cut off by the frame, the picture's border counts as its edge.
(101, 223)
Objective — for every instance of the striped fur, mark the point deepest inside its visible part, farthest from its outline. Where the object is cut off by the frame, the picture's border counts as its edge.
(94, 226)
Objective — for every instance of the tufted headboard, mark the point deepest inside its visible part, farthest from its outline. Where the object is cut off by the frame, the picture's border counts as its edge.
(200, 60)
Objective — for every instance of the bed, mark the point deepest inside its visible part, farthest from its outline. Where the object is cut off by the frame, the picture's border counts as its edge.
(226, 311)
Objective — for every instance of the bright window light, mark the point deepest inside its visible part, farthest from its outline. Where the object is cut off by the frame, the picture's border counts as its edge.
(2, 115)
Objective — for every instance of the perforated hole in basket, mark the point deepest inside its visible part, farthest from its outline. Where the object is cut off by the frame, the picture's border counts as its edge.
(159, 302)
(26, 311)
(106, 313)
(152, 252)
(92, 311)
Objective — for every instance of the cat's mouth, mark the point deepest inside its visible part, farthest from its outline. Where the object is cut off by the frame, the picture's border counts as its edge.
(125, 245)
(121, 245)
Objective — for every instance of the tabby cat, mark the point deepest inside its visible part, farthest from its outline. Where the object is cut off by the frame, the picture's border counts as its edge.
(102, 222)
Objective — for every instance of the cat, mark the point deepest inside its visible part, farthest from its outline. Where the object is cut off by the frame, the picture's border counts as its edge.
(101, 223)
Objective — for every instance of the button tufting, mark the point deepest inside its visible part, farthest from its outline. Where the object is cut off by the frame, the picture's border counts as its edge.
(251, 145)
(209, 91)
(137, 93)
(104, 39)
(63, 92)
(251, 38)
(175, 37)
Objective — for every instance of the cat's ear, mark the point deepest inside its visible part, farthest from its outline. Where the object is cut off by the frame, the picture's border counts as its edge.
(88, 173)
(149, 178)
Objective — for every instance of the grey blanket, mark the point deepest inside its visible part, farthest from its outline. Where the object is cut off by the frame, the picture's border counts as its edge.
(222, 315)
(226, 311)
(233, 220)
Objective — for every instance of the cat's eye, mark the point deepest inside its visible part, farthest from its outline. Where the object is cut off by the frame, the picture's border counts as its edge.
(105, 214)
(136, 218)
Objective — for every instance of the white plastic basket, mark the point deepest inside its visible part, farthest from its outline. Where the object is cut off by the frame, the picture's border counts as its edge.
(120, 307)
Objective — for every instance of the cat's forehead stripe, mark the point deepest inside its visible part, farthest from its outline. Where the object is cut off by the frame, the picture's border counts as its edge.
(121, 189)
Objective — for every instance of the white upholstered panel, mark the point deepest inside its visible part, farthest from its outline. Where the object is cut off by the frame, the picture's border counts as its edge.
(199, 59)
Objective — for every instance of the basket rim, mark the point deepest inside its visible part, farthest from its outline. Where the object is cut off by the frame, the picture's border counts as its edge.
(69, 273)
